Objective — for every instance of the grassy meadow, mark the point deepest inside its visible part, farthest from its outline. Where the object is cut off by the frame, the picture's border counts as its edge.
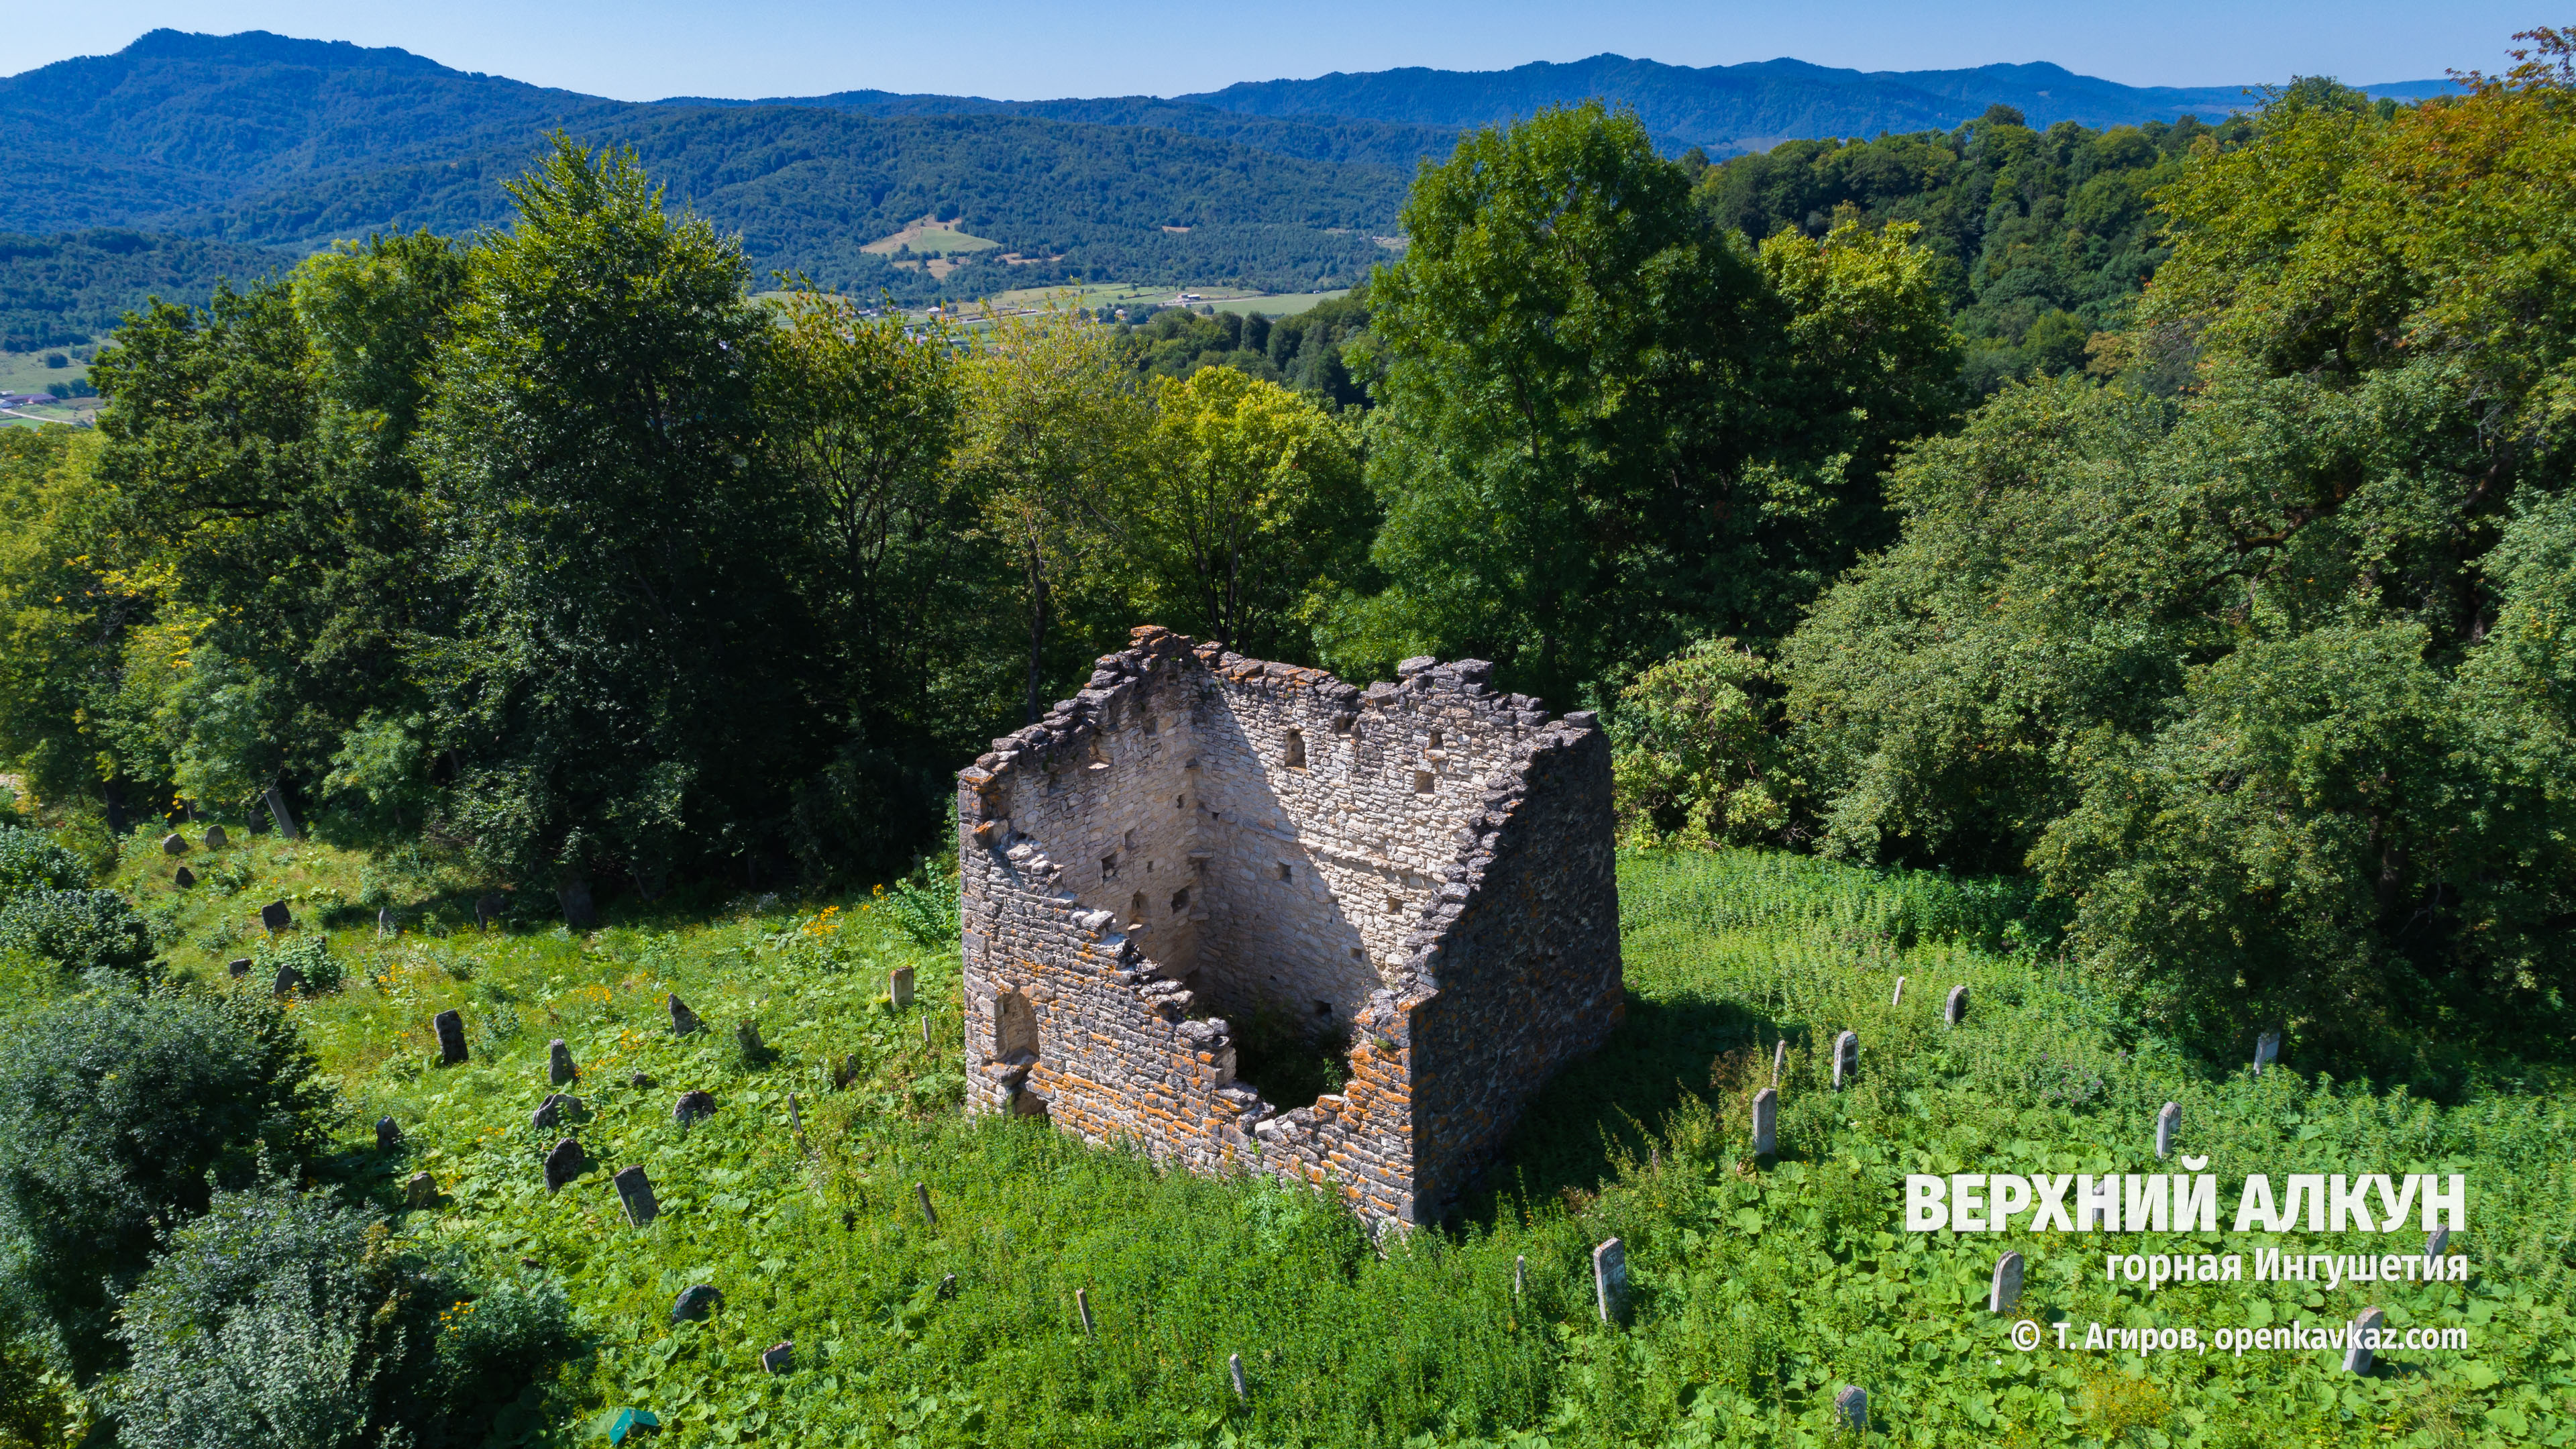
(1761, 1287)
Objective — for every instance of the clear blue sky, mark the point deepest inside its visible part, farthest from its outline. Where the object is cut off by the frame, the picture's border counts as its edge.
(1033, 49)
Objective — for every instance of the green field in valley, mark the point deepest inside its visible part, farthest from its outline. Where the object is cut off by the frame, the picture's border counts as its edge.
(1761, 1287)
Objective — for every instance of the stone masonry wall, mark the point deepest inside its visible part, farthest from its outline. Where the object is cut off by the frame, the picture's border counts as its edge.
(1423, 863)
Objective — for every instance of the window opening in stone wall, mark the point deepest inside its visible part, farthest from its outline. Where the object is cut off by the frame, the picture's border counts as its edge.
(1287, 871)
(1296, 753)
(1015, 1027)
(1422, 782)
(1109, 867)
(1136, 907)
(1394, 904)
(1180, 901)
(1176, 803)
(1342, 723)
(1435, 739)
(1130, 841)
(1151, 724)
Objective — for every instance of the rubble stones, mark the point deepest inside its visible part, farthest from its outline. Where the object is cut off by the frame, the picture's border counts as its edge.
(1422, 869)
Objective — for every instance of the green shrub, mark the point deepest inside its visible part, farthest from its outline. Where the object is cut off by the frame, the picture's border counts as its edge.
(925, 904)
(287, 1318)
(115, 1110)
(84, 930)
(310, 956)
(31, 859)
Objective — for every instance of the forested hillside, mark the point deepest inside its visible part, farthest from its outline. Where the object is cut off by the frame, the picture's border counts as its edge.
(63, 290)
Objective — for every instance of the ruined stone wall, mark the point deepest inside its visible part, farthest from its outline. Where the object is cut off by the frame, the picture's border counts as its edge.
(1197, 833)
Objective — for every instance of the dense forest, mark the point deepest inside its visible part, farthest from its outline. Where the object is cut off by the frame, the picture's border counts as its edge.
(2224, 683)
(65, 290)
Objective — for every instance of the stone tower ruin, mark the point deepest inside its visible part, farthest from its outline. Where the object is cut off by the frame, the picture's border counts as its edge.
(1420, 870)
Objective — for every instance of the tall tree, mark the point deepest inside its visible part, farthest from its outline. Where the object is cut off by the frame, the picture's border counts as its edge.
(627, 685)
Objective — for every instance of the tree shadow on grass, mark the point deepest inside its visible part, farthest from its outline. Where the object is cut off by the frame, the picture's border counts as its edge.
(1572, 1135)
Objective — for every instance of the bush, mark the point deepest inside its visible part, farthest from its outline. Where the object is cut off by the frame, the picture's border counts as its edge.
(115, 1110)
(287, 1318)
(84, 930)
(31, 859)
(309, 955)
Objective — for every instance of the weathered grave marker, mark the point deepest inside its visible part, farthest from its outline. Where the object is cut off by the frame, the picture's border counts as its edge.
(1852, 1407)
(1234, 1366)
(285, 818)
(694, 1106)
(215, 838)
(240, 967)
(174, 844)
(1520, 1273)
(683, 1020)
(388, 1134)
(385, 928)
(925, 1030)
(1082, 1306)
(641, 1081)
(1955, 1010)
(421, 1190)
(796, 1123)
(747, 1037)
(695, 1302)
(1610, 1280)
(635, 1194)
(929, 1214)
(559, 1067)
(2006, 1289)
(488, 909)
(899, 987)
(288, 982)
(779, 1357)
(1779, 1059)
(275, 917)
(1766, 1122)
(845, 1071)
(2439, 1243)
(2267, 1048)
(557, 1109)
(186, 879)
(1899, 998)
(565, 1163)
(451, 1037)
(2359, 1347)
(1846, 1058)
(2168, 1124)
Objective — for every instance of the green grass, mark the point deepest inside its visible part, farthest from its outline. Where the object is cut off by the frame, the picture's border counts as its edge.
(1760, 1287)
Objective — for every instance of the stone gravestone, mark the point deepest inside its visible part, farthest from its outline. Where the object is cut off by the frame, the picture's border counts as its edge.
(747, 1037)
(1610, 1280)
(845, 1071)
(276, 917)
(2266, 1048)
(899, 987)
(174, 844)
(557, 1109)
(1779, 1059)
(693, 1106)
(488, 909)
(641, 1081)
(559, 1068)
(1899, 998)
(1234, 1370)
(779, 1357)
(240, 967)
(1846, 1058)
(185, 879)
(2006, 1290)
(2168, 1124)
(2439, 1243)
(635, 1194)
(1852, 1407)
(2359, 1348)
(451, 1037)
(683, 1020)
(564, 1164)
(388, 1135)
(929, 1214)
(1766, 1122)
(1082, 1306)
(385, 927)
(1520, 1273)
(289, 980)
(1955, 1010)
(215, 838)
(796, 1122)
(284, 817)
(421, 1191)
(695, 1302)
